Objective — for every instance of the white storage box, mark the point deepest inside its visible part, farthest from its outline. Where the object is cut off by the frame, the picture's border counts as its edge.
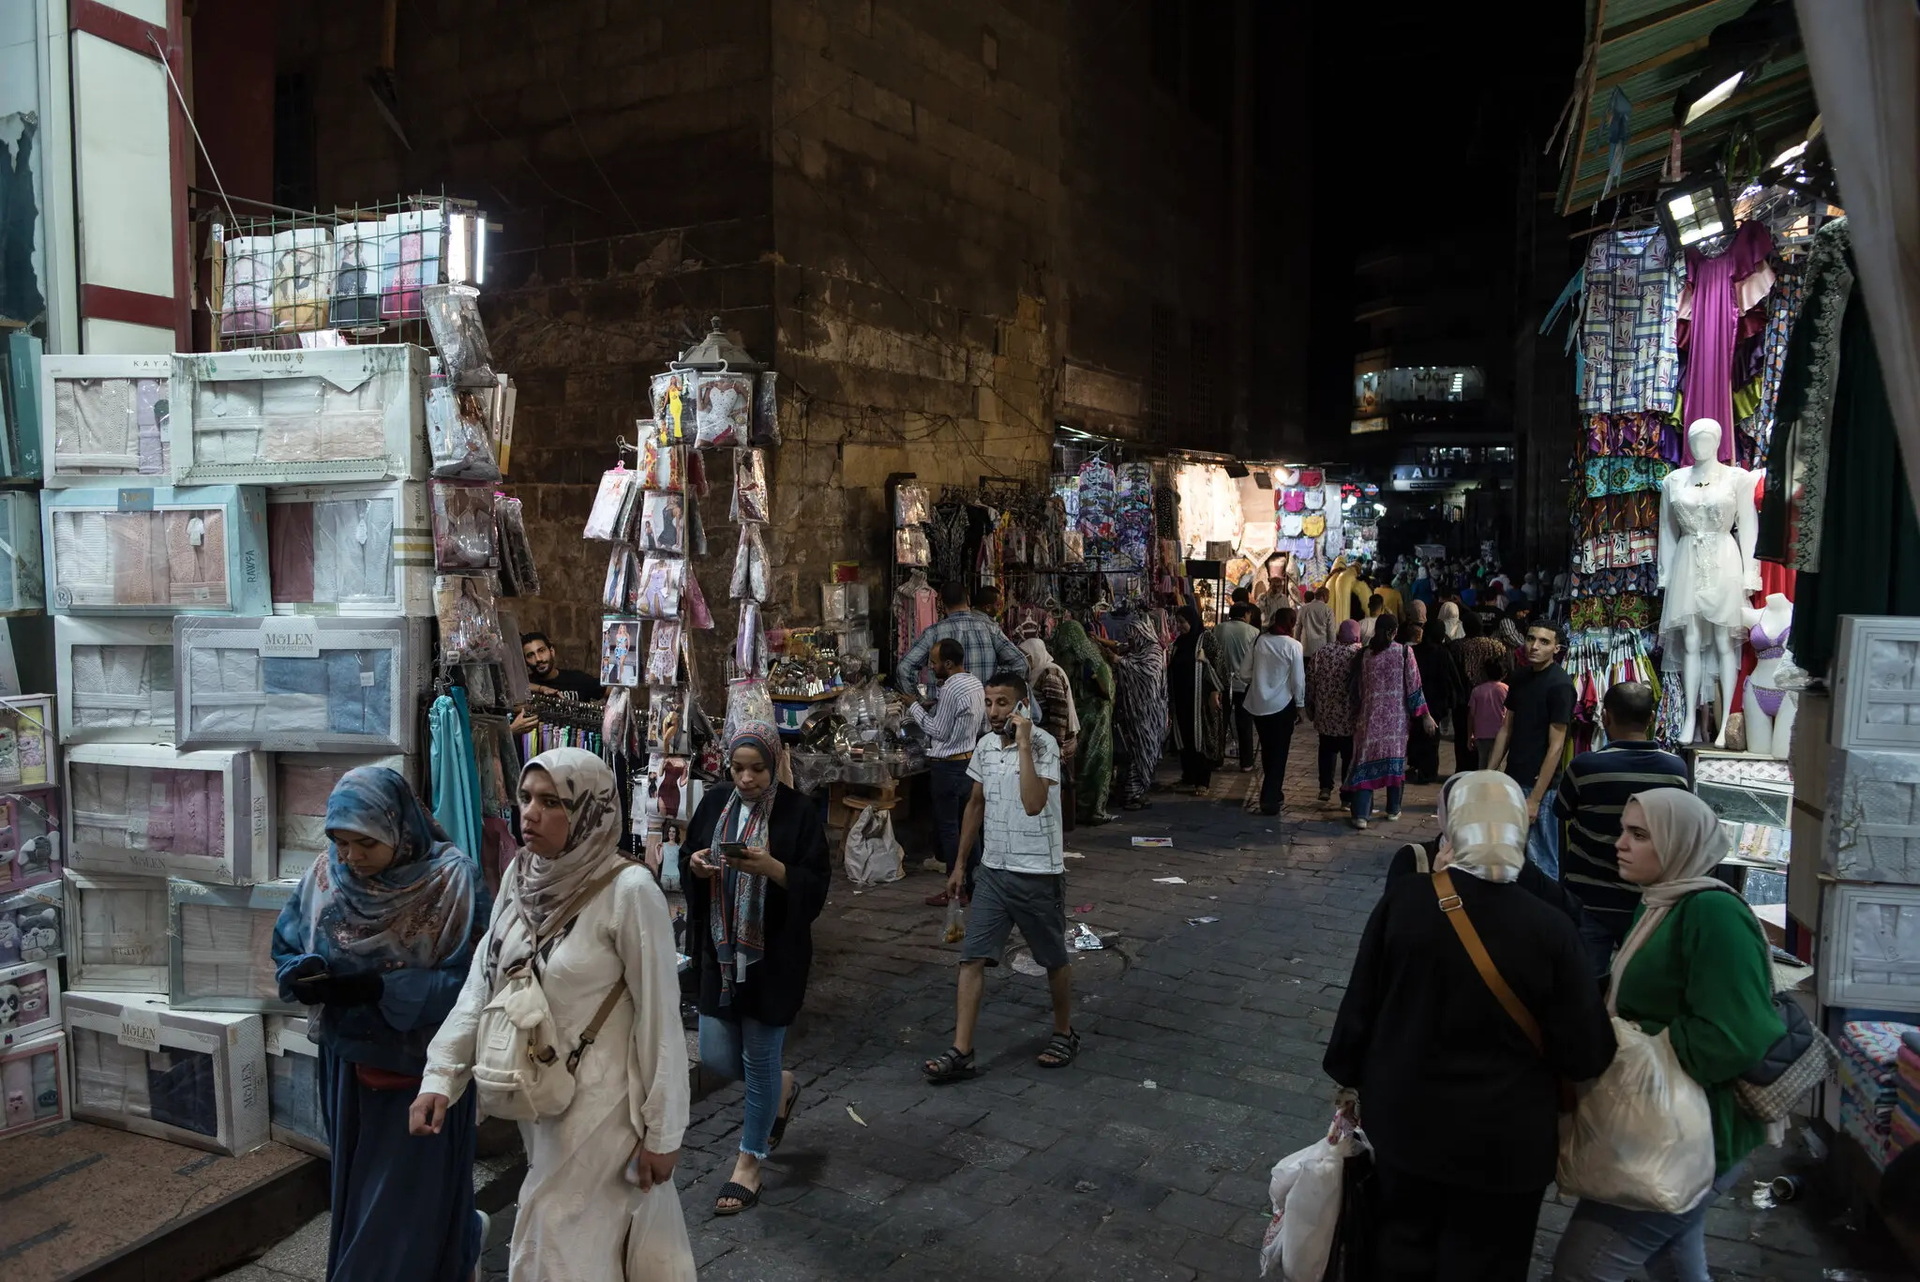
(288, 417)
(193, 1077)
(33, 924)
(116, 933)
(27, 730)
(29, 1001)
(294, 1088)
(23, 573)
(33, 1085)
(139, 550)
(300, 684)
(351, 549)
(116, 679)
(1870, 947)
(220, 954)
(1876, 683)
(303, 782)
(1872, 828)
(152, 811)
(109, 419)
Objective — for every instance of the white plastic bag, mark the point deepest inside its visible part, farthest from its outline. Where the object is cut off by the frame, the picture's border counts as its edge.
(1306, 1190)
(873, 856)
(658, 1249)
(1642, 1137)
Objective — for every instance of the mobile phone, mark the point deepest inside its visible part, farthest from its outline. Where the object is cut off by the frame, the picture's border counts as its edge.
(733, 850)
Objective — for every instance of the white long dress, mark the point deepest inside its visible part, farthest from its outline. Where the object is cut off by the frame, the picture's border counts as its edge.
(1709, 570)
(579, 1220)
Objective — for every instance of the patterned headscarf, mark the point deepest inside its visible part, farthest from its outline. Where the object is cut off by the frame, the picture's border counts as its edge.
(550, 885)
(736, 916)
(1080, 657)
(1484, 815)
(419, 910)
(1349, 633)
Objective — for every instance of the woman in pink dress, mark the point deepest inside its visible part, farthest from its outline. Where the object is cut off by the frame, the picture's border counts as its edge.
(1390, 697)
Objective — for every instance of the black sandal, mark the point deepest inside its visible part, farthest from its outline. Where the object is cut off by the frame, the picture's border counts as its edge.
(952, 1065)
(1060, 1051)
(779, 1130)
(740, 1193)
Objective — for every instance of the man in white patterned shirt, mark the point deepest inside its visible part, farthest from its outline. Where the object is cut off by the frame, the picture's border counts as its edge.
(1022, 878)
(952, 721)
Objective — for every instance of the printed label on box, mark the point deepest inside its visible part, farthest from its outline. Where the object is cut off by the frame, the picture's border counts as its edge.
(290, 638)
(140, 1029)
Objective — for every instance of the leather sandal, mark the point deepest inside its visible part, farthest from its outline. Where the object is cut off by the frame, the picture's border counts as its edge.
(744, 1197)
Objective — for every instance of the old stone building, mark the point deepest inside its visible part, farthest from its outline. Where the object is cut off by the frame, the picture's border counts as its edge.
(951, 226)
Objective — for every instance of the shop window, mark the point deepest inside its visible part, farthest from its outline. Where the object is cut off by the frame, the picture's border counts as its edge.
(295, 161)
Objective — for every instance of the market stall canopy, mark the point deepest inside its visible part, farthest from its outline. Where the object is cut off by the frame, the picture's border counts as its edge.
(1644, 56)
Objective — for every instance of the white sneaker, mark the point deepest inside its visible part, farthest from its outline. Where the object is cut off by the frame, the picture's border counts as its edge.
(486, 1223)
(1360, 823)
(1393, 816)
(1326, 794)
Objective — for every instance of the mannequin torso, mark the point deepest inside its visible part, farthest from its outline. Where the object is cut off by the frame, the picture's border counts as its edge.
(1769, 710)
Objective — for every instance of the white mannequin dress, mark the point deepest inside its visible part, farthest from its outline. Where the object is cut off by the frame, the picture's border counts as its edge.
(1708, 574)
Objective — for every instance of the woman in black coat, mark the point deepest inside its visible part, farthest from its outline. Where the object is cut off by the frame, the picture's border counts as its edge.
(1462, 1110)
(754, 865)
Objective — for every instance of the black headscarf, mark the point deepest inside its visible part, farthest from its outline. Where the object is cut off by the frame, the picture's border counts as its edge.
(1186, 647)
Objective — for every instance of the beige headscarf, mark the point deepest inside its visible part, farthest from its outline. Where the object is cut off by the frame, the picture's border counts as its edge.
(1450, 621)
(1038, 661)
(1688, 838)
(553, 887)
(1484, 815)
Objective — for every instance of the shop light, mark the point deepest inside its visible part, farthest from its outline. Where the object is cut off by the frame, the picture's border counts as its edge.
(1714, 97)
(1792, 153)
(1696, 209)
(467, 249)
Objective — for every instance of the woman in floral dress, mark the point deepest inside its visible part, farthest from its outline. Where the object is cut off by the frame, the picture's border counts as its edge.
(1390, 698)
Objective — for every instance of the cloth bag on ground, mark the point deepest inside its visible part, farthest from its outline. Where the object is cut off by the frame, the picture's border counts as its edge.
(873, 856)
(1642, 1136)
(1305, 1190)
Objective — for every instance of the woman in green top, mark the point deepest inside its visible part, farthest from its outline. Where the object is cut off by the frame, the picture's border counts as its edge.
(1695, 964)
(1091, 681)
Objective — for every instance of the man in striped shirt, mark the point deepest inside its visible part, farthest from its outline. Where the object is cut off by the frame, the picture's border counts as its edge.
(952, 720)
(1593, 791)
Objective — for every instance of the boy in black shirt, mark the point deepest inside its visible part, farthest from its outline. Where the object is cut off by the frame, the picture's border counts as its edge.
(1534, 735)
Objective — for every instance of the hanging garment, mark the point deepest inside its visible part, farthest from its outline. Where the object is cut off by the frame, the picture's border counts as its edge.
(1724, 287)
(1627, 336)
(456, 777)
(1796, 495)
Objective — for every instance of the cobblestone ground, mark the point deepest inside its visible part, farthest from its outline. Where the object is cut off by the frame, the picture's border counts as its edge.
(1148, 1158)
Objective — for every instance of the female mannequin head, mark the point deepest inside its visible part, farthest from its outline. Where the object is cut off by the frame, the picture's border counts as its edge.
(1703, 438)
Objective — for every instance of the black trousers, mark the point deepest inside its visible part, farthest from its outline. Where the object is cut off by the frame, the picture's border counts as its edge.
(1454, 1232)
(1423, 755)
(1195, 770)
(1276, 744)
(1335, 750)
(1243, 729)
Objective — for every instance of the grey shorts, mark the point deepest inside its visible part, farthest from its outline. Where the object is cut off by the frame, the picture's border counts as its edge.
(1035, 902)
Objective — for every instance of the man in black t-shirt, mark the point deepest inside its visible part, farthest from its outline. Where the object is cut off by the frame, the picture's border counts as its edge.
(1533, 735)
(545, 674)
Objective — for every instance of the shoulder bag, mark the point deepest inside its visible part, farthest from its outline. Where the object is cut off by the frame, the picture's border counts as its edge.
(517, 1069)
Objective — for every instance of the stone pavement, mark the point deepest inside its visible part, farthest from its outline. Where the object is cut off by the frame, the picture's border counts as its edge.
(1148, 1158)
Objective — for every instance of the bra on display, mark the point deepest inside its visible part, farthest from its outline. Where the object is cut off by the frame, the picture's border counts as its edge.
(109, 416)
(155, 812)
(353, 549)
(115, 550)
(299, 684)
(220, 954)
(193, 1077)
(286, 417)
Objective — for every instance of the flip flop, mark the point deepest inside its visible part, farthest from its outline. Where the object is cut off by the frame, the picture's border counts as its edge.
(746, 1197)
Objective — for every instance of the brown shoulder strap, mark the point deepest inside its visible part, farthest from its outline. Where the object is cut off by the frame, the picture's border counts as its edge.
(592, 1029)
(1456, 912)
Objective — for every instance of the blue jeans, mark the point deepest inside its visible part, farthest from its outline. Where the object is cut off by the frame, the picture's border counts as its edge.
(746, 1050)
(952, 789)
(1611, 1244)
(1543, 838)
(1363, 800)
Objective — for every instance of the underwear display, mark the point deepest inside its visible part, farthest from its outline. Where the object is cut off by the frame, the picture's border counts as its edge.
(1768, 647)
(118, 678)
(326, 684)
(33, 1084)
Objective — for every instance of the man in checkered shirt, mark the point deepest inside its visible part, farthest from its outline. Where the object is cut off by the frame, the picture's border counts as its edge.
(987, 647)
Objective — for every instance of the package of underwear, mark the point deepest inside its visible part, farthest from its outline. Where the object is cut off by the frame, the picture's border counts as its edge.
(291, 417)
(910, 504)
(302, 278)
(663, 654)
(614, 504)
(750, 501)
(117, 678)
(469, 620)
(33, 924)
(693, 604)
(453, 316)
(663, 466)
(31, 853)
(33, 1082)
(766, 408)
(155, 812)
(459, 435)
(463, 530)
(117, 932)
(724, 411)
(663, 523)
(307, 684)
(29, 1000)
(163, 550)
(662, 584)
(910, 547)
(220, 946)
(519, 576)
(669, 721)
(750, 642)
(622, 581)
(295, 1087)
(110, 417)
(353, 297)
(302, 784)
(748, 699)
(192, 1077)
(672, 394)
(622, 649)
(246, 286)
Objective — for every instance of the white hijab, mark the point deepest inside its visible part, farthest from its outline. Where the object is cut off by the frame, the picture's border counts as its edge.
(1450, 621)
(1038, 661)
(1688, 838)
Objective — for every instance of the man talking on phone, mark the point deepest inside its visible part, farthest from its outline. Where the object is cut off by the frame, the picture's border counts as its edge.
(1015, 811)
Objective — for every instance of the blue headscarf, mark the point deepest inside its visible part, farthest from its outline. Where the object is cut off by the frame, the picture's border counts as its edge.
(419, 911)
